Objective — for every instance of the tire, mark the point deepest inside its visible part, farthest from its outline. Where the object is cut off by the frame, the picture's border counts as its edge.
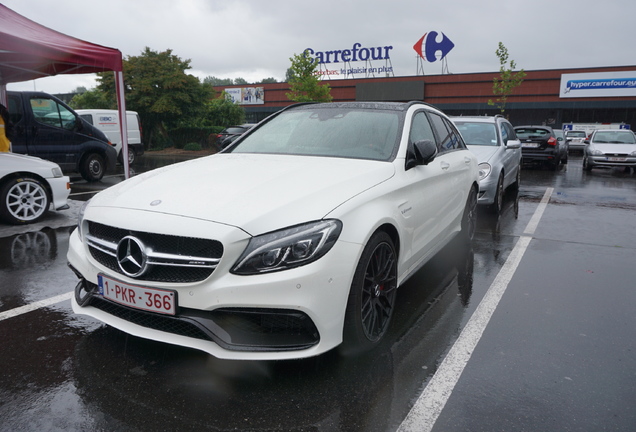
(131, 156)
(372, 296)
(586, 164)
(517, 182)
(93, 167)
(499, 195)
(24, 200)
(469, 219)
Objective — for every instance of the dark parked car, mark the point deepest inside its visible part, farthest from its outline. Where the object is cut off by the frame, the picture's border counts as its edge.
(231, 133)
(540, 144)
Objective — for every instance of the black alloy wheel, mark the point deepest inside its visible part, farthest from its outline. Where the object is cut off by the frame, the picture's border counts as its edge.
(372, 296)
(469, 219)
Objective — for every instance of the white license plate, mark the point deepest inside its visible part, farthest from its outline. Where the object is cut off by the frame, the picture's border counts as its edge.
(148, 299)
(530, 145)
(615, 159)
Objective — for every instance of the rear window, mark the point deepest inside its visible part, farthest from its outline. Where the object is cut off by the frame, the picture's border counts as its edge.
(235, 130)
(532, 133)
(576, 134)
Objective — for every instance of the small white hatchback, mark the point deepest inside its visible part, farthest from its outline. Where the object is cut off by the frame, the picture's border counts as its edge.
(29, 186)
(287, 244)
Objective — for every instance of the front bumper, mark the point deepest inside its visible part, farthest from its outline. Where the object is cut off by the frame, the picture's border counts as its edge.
(60, 190)
(607, 161)
(289, 314)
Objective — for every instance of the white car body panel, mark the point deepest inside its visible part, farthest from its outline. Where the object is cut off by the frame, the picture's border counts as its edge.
(13, 163)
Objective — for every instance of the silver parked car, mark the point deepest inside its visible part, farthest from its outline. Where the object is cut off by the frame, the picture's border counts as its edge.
(610, 148)
(575, 139)
(498, 151)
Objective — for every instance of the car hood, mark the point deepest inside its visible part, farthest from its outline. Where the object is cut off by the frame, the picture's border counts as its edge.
(11, 162)
(483, 153)
(615, 148)
(257, 193)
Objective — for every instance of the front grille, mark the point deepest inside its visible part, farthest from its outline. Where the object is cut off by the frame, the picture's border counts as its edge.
(172, 259)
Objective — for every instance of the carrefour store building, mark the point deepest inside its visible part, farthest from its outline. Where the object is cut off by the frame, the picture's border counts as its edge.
(554, 97)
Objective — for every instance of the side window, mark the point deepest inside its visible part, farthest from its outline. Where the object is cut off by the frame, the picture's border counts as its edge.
(511, 131)
(449, 138)
(51, 113)
(504, 133)
(421, 128)
(15, 109)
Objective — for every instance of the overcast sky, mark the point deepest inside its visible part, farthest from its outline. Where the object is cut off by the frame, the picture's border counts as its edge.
(254, 39)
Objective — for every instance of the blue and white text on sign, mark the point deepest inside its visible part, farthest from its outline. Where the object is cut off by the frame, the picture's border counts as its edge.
(600, 84)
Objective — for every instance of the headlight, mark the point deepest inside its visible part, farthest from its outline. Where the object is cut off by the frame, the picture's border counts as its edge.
(596, 152)
(633, 153)
(484, 170)
(80, 219)
(288, 248)
(57, 172)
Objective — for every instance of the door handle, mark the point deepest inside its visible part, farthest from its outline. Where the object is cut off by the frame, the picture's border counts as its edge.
(467, 160)
(444, 165)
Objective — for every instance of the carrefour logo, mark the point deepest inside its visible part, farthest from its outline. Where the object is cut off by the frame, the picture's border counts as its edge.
(428, 46)
(354, 54)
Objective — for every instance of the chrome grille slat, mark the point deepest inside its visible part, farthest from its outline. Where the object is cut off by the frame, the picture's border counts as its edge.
(165, 262)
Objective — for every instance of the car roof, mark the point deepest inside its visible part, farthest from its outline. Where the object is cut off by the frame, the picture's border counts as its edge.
(479, 119)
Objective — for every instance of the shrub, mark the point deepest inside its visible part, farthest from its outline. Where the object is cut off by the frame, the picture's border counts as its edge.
(193, 147)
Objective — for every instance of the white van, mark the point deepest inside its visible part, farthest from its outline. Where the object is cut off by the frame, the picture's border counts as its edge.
(108, 122)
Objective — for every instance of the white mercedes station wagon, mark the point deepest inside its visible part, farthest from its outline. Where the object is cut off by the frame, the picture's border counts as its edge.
(290, 242)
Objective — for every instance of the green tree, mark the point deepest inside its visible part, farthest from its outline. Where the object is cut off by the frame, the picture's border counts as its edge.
(270, 80)
(215, 81)
(93, 98)
(223, 112)
(304, 84)
(240, 81)
(503, 86)
(159, 89)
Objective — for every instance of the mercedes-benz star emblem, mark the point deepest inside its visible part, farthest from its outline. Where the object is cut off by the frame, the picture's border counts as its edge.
(131, 256)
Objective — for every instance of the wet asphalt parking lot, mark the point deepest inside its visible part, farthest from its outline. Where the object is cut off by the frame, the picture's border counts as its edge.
(532, 329)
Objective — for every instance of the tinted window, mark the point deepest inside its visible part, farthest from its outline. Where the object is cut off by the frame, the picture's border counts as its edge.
(532, 133)
(51, 113)
(449, 139)
(421, 128)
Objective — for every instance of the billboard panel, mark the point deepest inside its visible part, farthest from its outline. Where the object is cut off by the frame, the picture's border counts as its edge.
(601, 84)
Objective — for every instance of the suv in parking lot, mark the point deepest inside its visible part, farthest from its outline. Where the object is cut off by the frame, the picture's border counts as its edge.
(540, 144)
(498, 151)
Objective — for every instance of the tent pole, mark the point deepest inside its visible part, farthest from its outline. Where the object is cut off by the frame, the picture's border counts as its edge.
(123, 124)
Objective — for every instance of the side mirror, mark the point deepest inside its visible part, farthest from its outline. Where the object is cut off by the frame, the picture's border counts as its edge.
(79, 124)
(421, 153)
(513, 144)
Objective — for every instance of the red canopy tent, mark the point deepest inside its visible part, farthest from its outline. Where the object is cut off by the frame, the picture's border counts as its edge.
(29, 50)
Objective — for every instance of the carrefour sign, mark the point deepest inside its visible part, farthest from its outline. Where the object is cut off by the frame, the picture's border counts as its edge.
(601, 84)
(356, 53)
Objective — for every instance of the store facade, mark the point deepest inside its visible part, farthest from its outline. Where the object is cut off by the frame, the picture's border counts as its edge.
(550, 97)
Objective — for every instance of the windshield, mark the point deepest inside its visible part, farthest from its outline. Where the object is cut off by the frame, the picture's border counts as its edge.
(614, 137)
(478, 133)
(324, 131)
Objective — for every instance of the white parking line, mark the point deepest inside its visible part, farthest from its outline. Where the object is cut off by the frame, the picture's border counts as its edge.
(35, 305)
(431, 402)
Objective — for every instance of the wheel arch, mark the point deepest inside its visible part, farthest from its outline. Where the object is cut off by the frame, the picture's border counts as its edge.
(19, 174)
